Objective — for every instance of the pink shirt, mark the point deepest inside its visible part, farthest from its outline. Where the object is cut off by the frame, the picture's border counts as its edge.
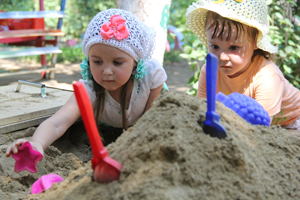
(264, 82)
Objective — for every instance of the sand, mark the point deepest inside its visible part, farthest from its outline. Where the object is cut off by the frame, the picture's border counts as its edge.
(166, 155)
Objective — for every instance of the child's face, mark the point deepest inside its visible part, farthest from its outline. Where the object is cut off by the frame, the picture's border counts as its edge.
(111, 68)
(234, 54)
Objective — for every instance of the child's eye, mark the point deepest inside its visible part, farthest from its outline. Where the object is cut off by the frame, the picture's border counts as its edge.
(234, 47)
(214, 46)
(97, 62)
(117, 63)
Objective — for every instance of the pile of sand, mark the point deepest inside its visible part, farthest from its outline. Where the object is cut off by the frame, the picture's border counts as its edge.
(166, 155)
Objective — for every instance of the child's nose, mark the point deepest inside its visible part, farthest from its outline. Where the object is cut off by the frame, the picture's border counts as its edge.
(107, 71)
(224, 56)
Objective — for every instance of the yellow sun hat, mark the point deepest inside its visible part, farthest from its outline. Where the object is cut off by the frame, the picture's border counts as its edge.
(253, 13)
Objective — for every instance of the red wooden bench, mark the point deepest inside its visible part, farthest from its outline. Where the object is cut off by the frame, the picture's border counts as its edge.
(32, 41)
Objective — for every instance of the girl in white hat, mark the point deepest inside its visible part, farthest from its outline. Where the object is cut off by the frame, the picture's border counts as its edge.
(236, 32)
(121, 79)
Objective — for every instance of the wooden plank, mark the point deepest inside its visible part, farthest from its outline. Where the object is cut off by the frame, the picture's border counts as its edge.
(18, 39)
(31, 14)
(30, 33)
(26, 116)
(28, 105)
(29, 51)
(22, 125)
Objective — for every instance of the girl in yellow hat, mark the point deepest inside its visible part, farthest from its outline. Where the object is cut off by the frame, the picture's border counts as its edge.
(236, 32)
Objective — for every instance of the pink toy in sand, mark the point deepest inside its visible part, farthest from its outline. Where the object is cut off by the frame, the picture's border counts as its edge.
(26, 158)
(45, 182)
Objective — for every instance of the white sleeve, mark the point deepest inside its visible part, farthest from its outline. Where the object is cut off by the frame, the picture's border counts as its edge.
(157, 73)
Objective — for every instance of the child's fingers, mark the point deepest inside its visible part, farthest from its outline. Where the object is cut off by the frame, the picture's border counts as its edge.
(13, 148)
(8, 151)
(19, 142)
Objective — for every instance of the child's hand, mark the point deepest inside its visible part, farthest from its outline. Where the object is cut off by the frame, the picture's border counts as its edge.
(13, 148)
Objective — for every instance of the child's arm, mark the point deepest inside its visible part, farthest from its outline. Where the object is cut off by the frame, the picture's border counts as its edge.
(269, 92)
(153, 94)
(51, 129)
(202, 83)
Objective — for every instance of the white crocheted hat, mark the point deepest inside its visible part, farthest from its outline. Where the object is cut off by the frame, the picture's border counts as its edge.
(253, 13)
(139, 43)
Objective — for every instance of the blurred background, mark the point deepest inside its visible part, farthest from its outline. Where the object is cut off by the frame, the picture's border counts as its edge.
(182, 45)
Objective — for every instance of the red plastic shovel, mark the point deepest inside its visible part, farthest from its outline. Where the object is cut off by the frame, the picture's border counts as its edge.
(105, 168)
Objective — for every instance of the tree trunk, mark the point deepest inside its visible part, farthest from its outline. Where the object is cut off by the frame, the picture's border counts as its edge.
(154, 13)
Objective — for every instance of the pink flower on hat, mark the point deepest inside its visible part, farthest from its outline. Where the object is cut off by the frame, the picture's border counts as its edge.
(115, 28)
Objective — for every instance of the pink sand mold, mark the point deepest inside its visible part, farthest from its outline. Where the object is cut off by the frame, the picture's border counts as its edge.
(45, 182)
(27, 158)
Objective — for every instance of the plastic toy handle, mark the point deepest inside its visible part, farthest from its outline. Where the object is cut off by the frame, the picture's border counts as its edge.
(221, 97)
(211, 86)
(87, 115)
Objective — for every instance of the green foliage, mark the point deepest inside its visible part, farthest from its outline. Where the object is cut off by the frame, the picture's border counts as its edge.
(17, 5)
(80, 13)
(70, 55)
(285, 34)
(177, 12)
(173, 56)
